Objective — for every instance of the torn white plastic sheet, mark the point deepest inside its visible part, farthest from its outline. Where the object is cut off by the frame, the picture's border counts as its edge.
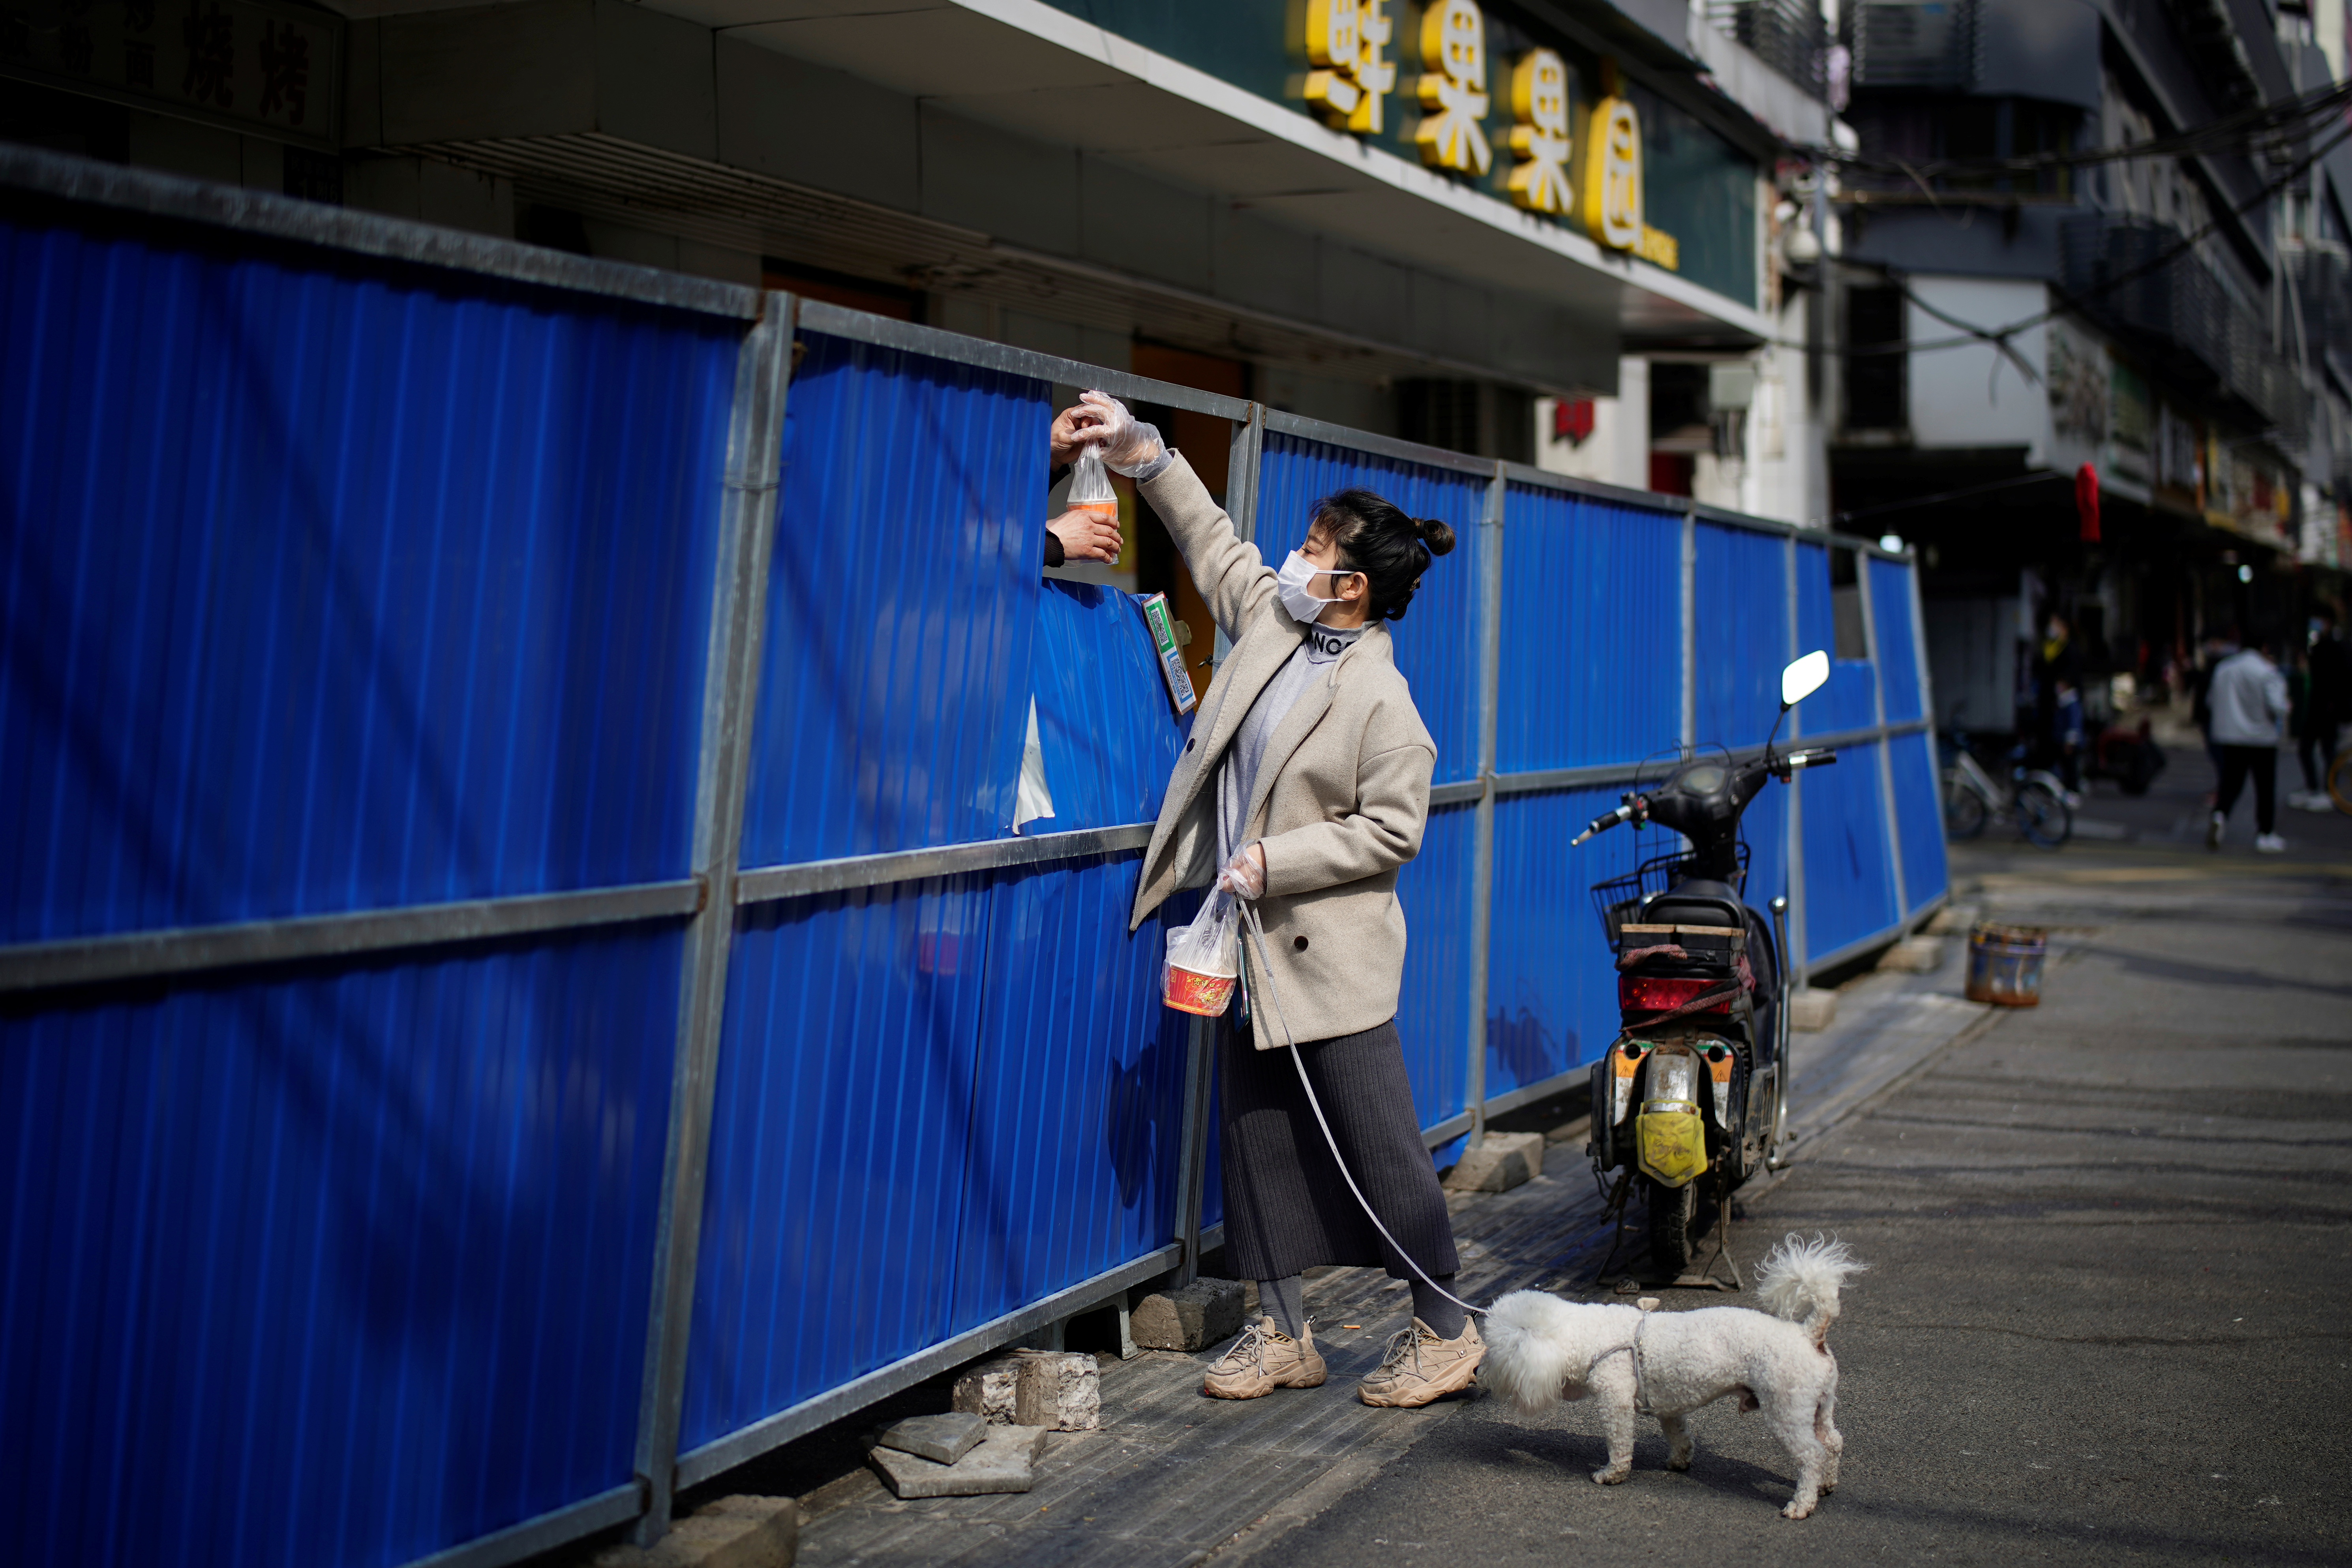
(1032, 799)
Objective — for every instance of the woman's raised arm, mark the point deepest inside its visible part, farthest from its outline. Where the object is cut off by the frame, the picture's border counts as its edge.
(1233, 578)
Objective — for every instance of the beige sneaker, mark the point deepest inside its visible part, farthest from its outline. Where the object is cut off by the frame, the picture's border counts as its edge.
(1264, 1359)
(1420, 1367)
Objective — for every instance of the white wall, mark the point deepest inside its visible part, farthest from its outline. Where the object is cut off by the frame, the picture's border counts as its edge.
(1974, 395)
(1618, 450)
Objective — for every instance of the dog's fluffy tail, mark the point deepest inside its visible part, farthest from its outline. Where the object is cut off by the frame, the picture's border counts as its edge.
(1799, 1280)
(1529, 1350)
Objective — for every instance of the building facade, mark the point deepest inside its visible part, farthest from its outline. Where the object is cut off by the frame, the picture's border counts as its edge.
(2022, 307)
(1436, 220)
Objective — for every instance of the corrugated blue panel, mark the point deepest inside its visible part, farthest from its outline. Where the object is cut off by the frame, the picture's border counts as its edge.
(1765, 827)
(1437, 641)
(1741, 601)
(327, 584)
(1080, 1098)
(1919, 818)
(331, 1266)
(1108, 733)
(1898, 650)
(1434, 1010)
(1849, 879)
(840, 1144)
(1592, 641)
(1552, 985)
(894, 686)
(936, 1102)
(1847, 702)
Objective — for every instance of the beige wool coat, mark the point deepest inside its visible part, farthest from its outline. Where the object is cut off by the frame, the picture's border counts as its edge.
(1341, 797)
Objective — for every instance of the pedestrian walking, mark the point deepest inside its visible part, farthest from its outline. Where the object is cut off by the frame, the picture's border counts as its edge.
(1306, 779)
(2327, 707)
(2058, 703)
(2248, 701)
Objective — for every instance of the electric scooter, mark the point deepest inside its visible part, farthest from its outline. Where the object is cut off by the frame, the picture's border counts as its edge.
(1693, 1091)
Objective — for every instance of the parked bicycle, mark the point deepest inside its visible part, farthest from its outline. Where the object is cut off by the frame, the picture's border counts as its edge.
(2032, 798)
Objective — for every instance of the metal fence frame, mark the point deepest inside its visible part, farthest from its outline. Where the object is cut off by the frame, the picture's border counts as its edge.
(707, 900)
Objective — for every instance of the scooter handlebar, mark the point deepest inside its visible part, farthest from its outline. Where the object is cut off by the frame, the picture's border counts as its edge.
(1821, 757)
(1603, 823)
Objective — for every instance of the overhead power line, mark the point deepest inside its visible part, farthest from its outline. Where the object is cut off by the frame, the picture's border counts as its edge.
(1999, 336)
(2270, 131)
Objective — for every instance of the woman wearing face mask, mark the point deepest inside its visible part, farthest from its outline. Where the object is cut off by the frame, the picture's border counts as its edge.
(1305, 787)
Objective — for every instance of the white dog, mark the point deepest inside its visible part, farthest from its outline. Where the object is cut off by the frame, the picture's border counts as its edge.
(1541, 1349)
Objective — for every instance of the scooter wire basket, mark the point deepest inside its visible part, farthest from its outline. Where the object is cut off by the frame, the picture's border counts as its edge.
(1616, 900)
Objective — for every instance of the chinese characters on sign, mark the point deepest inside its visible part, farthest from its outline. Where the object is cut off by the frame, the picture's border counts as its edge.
(1613, 175)
(1453, 88)
(245, 62)
(1540, 140)
(1347, 45)
(1612, 186)
(1347, 40)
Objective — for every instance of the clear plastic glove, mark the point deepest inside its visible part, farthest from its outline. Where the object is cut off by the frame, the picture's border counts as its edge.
(1086, 536)
(1246, 877)
(1073, 427)
(1128, 444)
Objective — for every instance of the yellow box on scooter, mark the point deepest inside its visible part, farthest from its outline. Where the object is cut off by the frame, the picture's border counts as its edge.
(1670, 1142)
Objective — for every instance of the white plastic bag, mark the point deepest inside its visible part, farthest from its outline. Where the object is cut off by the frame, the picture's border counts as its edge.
(1204, 959)
(1090, 485)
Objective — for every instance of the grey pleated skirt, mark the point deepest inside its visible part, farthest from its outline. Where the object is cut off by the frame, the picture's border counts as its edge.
(1287, 1205)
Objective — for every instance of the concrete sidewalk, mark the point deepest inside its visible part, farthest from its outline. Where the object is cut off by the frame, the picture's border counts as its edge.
(1175, 1475)
(2105, 1316)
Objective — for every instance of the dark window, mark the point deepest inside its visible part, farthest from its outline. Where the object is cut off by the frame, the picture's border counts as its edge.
(1439, 413)
(314, 176)
(1923, 129)
(1851, 632)
(1873, 375)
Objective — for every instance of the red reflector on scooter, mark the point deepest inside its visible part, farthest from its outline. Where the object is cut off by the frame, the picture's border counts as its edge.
(1659, 993)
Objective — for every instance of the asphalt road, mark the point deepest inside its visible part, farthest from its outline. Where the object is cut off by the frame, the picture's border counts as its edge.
(2106, 1317)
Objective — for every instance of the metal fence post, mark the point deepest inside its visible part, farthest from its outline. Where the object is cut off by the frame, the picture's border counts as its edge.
(1240, 472)
(1795, 958)
(1886, 823)
(1482, 861)
(737, 621)
(1200, 1064)
(1690, 630)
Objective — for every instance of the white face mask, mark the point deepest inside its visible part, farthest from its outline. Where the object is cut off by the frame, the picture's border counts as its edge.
(1294, 582)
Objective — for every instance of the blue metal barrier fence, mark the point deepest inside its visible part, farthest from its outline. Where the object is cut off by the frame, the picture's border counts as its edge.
(519, 990)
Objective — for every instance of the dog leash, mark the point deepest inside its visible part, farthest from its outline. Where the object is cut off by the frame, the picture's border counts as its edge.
(1257, 933)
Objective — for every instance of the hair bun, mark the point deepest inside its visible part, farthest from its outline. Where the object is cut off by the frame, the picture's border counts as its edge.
(1437, 536)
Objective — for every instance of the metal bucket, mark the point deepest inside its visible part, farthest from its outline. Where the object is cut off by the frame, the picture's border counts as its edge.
(2005, 964)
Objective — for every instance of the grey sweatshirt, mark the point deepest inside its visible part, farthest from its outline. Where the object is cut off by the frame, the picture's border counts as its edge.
(1238, 777)
(2248, 699)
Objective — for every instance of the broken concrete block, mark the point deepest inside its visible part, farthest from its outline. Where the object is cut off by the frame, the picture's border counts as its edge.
(1004, 1461)
(1919, 955)
(1190, 1318)
(1059, 1389)
(990, 1391)
(733, 1532)
(1812, 1011)
(1499, 1162)
(942, 1439)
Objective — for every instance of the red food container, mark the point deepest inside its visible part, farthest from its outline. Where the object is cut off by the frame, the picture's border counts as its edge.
(1190, 991)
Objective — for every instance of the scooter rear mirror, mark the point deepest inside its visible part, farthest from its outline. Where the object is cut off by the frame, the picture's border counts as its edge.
(1804, 677)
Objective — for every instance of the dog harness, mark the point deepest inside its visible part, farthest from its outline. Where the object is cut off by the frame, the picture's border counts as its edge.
(1633, 1347)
